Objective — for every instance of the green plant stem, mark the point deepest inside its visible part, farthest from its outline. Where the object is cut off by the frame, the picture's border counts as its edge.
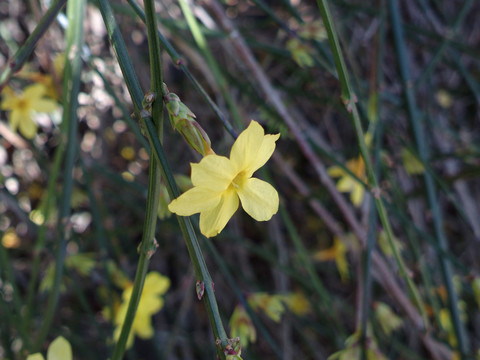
(177, 60)
(45, 207)
(148, 244)
(349, 99)
(24, 52)
(14, 319)
(212, 63)
(71, 87)
(186, 227)
(444, 44)
(445, 264)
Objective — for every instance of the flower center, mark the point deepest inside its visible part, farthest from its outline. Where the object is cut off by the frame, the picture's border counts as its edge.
(238, 181)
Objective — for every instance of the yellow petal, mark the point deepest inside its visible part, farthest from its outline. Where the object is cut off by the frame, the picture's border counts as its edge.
(34, 91)
(335, 171)
(213, 172)
(142, 326)
(345, 184)
(36, 356)
(213, 221)
(357, 194)
(17, 117)
(252, 149)
(149, 305)
(9, 103)
(195, 200)
(59, 349)
(156, 283)
(28, 128)
(43, 105)
(259, 199)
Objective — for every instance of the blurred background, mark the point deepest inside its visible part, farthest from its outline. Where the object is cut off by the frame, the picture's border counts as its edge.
(322, 277)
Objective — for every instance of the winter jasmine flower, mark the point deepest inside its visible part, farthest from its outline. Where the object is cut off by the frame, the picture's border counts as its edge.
(220, 183)
(347, 182)
(150, 303)
(59, 349)
(23, 107)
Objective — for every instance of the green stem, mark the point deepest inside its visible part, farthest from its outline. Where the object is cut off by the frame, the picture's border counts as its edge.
(26, 49)
(350, 100)
(445, 264)
(148, 244)
(44, 208)
(71, 87)
(15, 318)
(212, 63)
(177, 59)
(186, 227)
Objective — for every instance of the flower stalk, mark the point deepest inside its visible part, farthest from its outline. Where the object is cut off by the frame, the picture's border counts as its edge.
(186, 227)
(349, 98)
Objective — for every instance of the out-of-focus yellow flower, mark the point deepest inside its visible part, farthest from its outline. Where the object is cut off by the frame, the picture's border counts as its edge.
(446, 323)
(301, 53)
(338, 253)
(10, 239)
(297, 303)
(347, 182)
(23, 107)
(389, 321)
(219, 183)
(150, 303)
(271, 305)
(353, 350)
(59, 349)
(385, 245)
(241, 325)
(412, 165)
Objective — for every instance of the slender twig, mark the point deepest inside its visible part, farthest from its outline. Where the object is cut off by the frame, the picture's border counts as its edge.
(24, 52)
(414, 118)
(148, 244)
(212, 63)
(196, 256)
(177, 60)
(71, 87)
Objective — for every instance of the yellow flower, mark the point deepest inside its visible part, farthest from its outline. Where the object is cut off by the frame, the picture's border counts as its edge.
(241, 325)
(23, 107)
(297, 303)
(271, 305)
(389, 321)
(59, 349)
(150, 303)
(412, 164)
(347, 182)
(219, 182)
(336, 252)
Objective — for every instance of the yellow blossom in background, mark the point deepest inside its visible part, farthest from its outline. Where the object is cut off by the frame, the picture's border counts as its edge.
(10, 239)
(219, 183)
(385, 244)
(336, 252)
(389, 321)
(59, 349)
(297, 303)
(241, 325)
(301, 53)
(150, 303)
(23, 107)
(271, 305)
(347, 182)
(446, 323)
(353, 349)
(412, 164)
